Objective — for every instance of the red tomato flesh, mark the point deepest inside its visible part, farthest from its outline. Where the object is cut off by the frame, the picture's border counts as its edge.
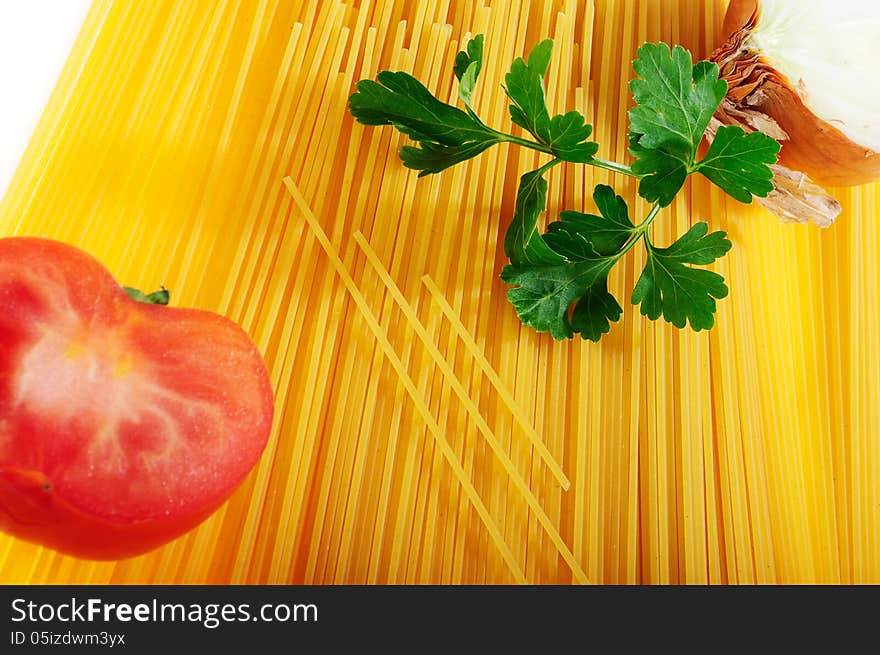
(122, 424)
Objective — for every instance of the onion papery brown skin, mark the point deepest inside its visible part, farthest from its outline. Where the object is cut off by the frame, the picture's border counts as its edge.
(813, 146)
(738, 15)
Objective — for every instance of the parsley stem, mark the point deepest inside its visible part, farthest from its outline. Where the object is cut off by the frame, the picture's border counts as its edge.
(640, 232)
(550, 164)
(526, 143)
(612, 166)
(645, 224)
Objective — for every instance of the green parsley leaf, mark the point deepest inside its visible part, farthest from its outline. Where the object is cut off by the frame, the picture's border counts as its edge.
(473, 54)
(739, 162)
(595, 312)
(568, 138)
(679, 293)
(590, 245)
(431, 158)
(468, 64)
(400, 100)
(542, 295)
(524, 85)
(606, 233)
(523, 243)
(565, 134)
(675, 100)
(663, 173)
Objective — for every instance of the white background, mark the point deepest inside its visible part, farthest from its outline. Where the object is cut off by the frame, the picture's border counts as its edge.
(35, 39)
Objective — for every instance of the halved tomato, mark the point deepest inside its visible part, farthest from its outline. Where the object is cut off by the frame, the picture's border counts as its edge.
(123, 424)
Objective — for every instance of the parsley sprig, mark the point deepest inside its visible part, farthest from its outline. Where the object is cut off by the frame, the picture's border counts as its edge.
(559, 279)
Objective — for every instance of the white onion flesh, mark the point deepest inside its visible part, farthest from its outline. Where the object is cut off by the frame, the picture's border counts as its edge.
(829, 51)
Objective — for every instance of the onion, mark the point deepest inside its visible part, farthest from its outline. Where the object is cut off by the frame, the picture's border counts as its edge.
(805, 73)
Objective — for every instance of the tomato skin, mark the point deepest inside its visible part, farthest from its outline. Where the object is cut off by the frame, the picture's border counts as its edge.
(122, 424)
(32, 512)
